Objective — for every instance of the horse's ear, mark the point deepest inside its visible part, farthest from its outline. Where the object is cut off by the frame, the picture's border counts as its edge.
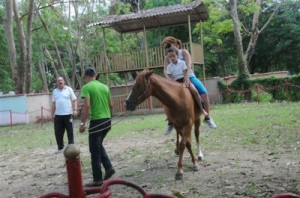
(148, 74)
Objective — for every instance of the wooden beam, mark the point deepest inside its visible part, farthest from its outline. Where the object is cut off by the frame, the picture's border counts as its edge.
(105, 56)
(203, 66)
(190, 40)
(146, 47)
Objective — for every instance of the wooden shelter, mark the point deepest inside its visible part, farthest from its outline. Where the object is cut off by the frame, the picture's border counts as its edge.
(155, 18)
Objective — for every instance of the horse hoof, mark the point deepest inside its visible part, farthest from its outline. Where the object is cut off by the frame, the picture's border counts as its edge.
(196, 167)
(176, 152)
(179, 176)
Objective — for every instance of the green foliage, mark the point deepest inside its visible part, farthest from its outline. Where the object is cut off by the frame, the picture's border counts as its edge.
(282, 36)
(159, 3)
(5, 80)
(122, 8)
(114, 78)
(261, 97)
(6, 83)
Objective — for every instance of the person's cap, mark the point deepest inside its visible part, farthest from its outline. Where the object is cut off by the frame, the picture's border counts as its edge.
(89, 71)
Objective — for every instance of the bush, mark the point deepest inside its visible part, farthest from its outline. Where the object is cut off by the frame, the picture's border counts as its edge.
(261, 97)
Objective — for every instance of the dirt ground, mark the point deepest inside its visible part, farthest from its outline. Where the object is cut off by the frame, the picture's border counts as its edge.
(151, 163)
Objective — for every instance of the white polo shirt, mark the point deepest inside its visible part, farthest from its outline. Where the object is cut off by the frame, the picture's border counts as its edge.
(176, 70)
(63, 100)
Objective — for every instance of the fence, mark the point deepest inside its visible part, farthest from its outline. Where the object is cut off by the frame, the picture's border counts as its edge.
(259, 89)
(41, 111)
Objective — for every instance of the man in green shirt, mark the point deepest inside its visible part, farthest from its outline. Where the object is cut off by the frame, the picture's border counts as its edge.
(97, 106)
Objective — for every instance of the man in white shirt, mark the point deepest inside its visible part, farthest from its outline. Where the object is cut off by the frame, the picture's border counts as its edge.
(64, 108)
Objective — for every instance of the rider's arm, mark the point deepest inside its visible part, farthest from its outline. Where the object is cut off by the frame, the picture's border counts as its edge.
(166, 63)
(188, 62)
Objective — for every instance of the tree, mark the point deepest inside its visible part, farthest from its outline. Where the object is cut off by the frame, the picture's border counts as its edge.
(283, 37)
(21, 73)
(245, 57)
(246, 19)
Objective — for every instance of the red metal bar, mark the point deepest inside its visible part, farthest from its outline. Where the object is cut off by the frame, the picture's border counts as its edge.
(76, 190)
(74, 178)
(54, 195)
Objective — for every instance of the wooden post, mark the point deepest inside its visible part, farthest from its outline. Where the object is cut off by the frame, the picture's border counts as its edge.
(105, 55)
(125, 62)
(146, 47)
(190, 40)
(203, 66)
(286, 90)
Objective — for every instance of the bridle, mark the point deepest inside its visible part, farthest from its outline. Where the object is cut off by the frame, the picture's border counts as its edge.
(146, 92)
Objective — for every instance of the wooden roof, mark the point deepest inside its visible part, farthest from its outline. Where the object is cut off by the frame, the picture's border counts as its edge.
(156, 17)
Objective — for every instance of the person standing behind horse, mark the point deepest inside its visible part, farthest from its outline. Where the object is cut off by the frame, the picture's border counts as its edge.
(184, 55)
(97, 103)
(64, 108)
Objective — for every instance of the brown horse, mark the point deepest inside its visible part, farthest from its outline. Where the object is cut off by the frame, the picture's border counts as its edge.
(179, 106)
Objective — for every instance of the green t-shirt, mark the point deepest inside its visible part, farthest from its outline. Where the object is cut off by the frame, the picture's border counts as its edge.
(99, 95)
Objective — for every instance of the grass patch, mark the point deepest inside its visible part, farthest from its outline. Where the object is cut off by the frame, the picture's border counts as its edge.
(271, 124)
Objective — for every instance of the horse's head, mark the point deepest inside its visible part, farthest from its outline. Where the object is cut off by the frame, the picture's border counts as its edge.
(140, 91)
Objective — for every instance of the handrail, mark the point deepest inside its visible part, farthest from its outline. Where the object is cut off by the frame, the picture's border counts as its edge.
(136, 60)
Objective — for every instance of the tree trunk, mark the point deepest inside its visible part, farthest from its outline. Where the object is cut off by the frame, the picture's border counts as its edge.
(48, 56)
(8, 20)
(43, 76)
(28, 67)
(23, 48)
(75, 76)
(255, 29)
(254, 33)
(79, 47)
(243, 66)
(65, 75)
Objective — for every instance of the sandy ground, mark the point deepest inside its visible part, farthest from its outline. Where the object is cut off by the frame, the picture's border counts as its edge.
(151, 163)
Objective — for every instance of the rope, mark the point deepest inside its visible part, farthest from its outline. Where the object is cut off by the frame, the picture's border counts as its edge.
(125, 115)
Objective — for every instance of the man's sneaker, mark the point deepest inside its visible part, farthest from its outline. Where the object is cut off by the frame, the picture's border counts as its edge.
(59, 151)
(169, 129)
(210, 122)
(94, 184)
(109, 173)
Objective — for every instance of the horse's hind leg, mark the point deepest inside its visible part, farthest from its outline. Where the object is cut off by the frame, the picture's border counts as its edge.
(197, 134)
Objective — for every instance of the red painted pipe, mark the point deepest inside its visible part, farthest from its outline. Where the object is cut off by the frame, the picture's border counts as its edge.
(74, 178)
(54, 194)
(286, 195)
(76, 190)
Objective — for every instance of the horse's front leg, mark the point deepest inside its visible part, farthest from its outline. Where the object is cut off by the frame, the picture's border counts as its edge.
(197, 134)
(194, 161)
